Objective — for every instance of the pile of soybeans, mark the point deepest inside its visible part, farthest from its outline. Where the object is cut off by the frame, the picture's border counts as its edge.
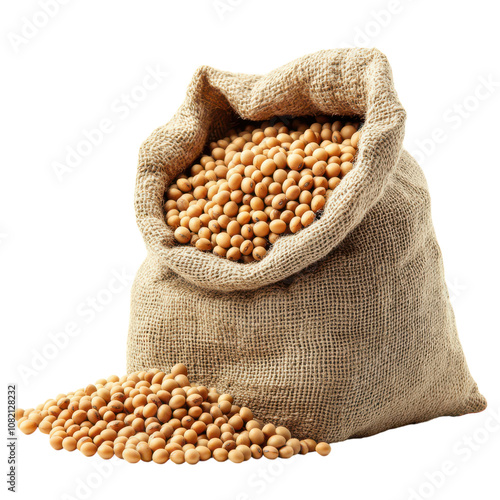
(155, 416)
(260, 183)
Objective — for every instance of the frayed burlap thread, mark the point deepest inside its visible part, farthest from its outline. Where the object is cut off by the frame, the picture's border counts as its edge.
(345, 329)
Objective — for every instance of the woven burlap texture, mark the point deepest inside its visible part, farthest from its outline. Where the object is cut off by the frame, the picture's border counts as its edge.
(344, 329)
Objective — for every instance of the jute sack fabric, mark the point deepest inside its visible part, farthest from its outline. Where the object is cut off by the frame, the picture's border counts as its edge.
(344, 329)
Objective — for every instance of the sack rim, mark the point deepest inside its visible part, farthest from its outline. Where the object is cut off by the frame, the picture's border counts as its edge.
(379, 150)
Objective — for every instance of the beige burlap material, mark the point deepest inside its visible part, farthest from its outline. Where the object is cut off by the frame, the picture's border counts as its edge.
(344, 329)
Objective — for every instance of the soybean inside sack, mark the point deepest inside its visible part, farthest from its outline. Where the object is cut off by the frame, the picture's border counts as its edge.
(345, 329)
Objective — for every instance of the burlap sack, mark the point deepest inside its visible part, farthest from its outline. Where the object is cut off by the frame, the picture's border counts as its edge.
(345, 329)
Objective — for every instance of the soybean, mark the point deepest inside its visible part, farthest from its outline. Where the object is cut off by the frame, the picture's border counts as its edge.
(161, 417)
(259, 181)
(323, 449)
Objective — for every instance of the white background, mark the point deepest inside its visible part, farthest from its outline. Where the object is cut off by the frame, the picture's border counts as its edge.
(62, 239)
